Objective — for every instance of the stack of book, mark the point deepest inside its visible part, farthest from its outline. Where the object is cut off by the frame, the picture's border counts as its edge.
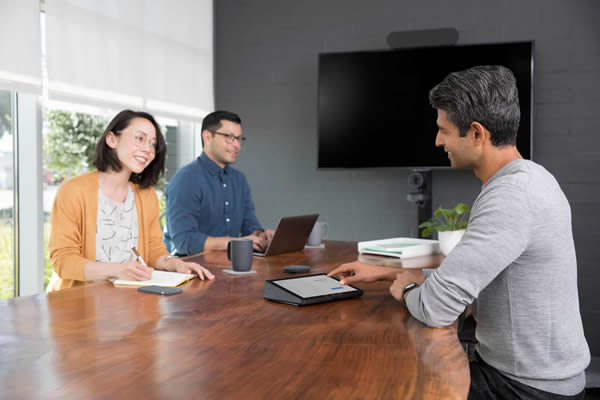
(400, 247)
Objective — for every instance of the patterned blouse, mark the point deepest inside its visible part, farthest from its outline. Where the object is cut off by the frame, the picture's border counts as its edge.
(116, 229)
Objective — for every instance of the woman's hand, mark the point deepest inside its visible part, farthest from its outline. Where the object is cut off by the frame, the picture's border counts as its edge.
(134, 271)
(183, 267)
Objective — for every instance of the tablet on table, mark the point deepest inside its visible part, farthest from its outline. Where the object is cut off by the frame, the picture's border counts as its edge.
(308, 289)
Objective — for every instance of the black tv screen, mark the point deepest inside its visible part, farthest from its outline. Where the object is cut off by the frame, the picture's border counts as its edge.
(374, 111)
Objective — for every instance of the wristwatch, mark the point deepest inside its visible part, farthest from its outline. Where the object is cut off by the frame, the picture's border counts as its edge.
(407, 289)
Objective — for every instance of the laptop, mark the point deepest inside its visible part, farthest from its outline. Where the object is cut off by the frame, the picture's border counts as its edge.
(291, 235)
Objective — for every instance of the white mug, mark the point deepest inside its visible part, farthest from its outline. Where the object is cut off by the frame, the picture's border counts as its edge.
(318, 233)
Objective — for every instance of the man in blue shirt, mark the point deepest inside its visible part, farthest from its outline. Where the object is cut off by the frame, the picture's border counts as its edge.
(208, 201)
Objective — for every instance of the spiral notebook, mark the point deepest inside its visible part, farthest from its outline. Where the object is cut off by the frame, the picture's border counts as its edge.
(159, 278)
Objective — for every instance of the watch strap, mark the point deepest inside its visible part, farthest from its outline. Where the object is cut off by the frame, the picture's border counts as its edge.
(407, 289)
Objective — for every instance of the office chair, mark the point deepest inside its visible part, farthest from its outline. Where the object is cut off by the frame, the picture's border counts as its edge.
(466, 334)
(592, 379)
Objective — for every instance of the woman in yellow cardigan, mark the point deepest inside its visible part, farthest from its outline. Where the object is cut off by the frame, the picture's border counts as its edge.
(99, 216)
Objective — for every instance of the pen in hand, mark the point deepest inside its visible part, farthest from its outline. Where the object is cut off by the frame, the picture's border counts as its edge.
(139, 257)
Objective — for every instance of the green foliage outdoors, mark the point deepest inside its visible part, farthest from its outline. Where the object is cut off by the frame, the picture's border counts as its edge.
(447, 219)
(6, 260)
(6, 215)
(5, 113)
(70, 142)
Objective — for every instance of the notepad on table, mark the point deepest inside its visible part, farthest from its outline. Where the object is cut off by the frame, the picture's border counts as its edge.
(159, 278)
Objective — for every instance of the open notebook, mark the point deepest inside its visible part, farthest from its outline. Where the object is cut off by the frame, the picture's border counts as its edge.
(159, 278)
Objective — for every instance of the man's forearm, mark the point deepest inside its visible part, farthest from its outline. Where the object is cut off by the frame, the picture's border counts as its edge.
(216, 242)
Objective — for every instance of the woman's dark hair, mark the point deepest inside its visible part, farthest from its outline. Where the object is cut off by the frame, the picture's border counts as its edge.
(106, 158)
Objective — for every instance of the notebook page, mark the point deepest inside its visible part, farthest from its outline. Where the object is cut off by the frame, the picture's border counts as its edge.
(159, 278)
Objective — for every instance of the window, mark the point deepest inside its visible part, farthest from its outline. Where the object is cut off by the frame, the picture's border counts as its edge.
(7, 197)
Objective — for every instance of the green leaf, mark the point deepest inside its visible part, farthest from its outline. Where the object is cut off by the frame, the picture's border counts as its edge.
(438, 212)
(427, 232)
(447, 219)
(444, 227)
(461, 208)
(447, 212)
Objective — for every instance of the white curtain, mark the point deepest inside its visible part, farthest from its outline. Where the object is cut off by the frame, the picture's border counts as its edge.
(146, 54)
(20, 54)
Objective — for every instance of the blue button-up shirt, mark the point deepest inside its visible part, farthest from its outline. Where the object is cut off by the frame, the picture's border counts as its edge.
(205, 200)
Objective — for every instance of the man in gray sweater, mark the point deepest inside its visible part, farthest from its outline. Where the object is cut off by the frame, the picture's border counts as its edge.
(515, 265)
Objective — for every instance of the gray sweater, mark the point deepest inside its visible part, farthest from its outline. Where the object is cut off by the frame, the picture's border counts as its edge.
(516, 266)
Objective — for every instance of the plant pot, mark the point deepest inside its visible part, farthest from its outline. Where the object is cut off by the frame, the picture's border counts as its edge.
(449, 239)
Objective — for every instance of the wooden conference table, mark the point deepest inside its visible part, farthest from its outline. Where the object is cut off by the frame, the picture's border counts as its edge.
(221, 340)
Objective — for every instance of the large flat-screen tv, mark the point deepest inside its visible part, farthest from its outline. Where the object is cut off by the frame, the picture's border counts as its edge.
(373, 106)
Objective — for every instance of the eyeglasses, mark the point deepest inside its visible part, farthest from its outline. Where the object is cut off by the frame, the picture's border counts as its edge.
(141, 142)
(229, 138)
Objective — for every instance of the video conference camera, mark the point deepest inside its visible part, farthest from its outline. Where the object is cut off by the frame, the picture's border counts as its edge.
(417, 183)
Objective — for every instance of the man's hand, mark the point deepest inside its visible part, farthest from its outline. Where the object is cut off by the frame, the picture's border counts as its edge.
(258, 239)
(361, 272)
(268, 235)
(403, 278)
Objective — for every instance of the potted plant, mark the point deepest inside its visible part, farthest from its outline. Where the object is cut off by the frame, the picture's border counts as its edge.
(450, 223)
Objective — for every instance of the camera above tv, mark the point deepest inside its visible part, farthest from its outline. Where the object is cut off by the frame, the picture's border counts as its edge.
(374, 111)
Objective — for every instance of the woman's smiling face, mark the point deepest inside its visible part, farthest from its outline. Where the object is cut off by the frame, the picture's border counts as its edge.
(135, 146)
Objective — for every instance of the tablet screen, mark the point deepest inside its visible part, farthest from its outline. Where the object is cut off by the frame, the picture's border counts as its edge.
(313, 285)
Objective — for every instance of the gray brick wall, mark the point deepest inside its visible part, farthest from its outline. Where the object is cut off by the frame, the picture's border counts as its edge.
(266, 70)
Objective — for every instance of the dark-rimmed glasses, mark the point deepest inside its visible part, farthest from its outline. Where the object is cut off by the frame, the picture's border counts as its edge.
(229, 138)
